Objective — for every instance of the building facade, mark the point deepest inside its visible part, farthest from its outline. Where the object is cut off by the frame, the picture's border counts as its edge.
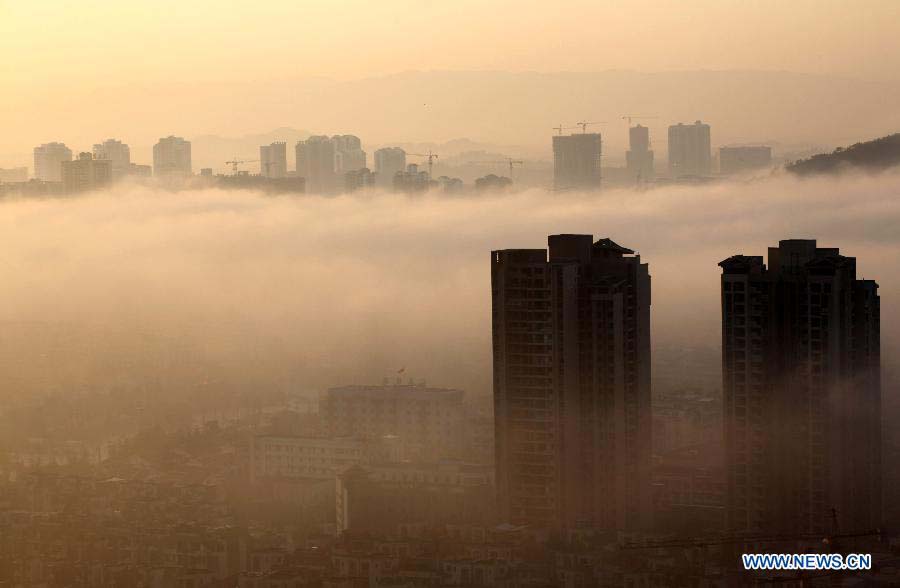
(571, 343)
(316, 163)
(427, 422)
(689, 150)
(412, 180)
(380, 497)
(172, 158)
(86, 173)
(48, 160)
(802, 392)
(388, 162)
(359, 179)
(576, 161)
(639, 157)
(117, 153)
(275, 456)
(348, 154)
(273, 160)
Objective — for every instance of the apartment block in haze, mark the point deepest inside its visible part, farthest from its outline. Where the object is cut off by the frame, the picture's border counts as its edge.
(273, 160)
(48, 160)
(348, 154)
(285, 457)
(802, 392)
(388, 162)
(316, 163)
(571, 344)
(172, 158)
(639, 157)
(86, 173)
(576, 161)
(117, 153)
(427, 422)
(689, 150)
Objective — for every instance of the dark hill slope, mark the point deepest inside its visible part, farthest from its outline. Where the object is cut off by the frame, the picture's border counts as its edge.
(876, 155)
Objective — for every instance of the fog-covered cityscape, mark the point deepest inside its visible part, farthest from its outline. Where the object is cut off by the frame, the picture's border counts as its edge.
(307, 295)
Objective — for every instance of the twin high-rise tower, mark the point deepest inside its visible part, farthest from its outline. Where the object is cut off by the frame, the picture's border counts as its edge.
(802, 392)
(801, 378)
(571, 340)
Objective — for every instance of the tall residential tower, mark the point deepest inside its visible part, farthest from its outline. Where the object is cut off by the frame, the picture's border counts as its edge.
(802, 392)
(571, 340)
(639, 157)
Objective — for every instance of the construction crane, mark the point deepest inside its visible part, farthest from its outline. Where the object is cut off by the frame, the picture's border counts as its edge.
(431, 157)
(629, 117)
(509, 160)
(561, 128)
(584, 124)
(234, 163)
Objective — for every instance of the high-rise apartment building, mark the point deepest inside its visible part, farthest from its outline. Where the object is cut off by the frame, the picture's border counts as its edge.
(273, 160)
(117, 153)
(639, 157)
(86, 173)
(576, 161)
(348, 154)
(571, 341)
(316, 163)
(388, 162)
(689, 150)
(739, 159)
(172, 158)
(48, 160)
(802, 392)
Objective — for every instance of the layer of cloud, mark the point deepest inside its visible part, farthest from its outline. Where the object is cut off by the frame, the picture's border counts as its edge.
(317, 291)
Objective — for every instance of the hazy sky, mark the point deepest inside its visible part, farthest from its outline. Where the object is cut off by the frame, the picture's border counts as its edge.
(81, 72)
(97, 41)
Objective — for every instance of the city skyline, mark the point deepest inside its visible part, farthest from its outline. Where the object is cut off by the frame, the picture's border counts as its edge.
(478, 294)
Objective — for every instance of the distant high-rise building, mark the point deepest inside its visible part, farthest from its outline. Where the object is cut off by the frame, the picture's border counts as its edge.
(48, 160)
(172, 157)
(576, 161)
(734, 160)
(86, 173)
(802, 392)
(639, 157)
(273, 160)
(689, 150)
(389, 161)
(117, 153)
(348, 153)
(316, 163)
(571, 342)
